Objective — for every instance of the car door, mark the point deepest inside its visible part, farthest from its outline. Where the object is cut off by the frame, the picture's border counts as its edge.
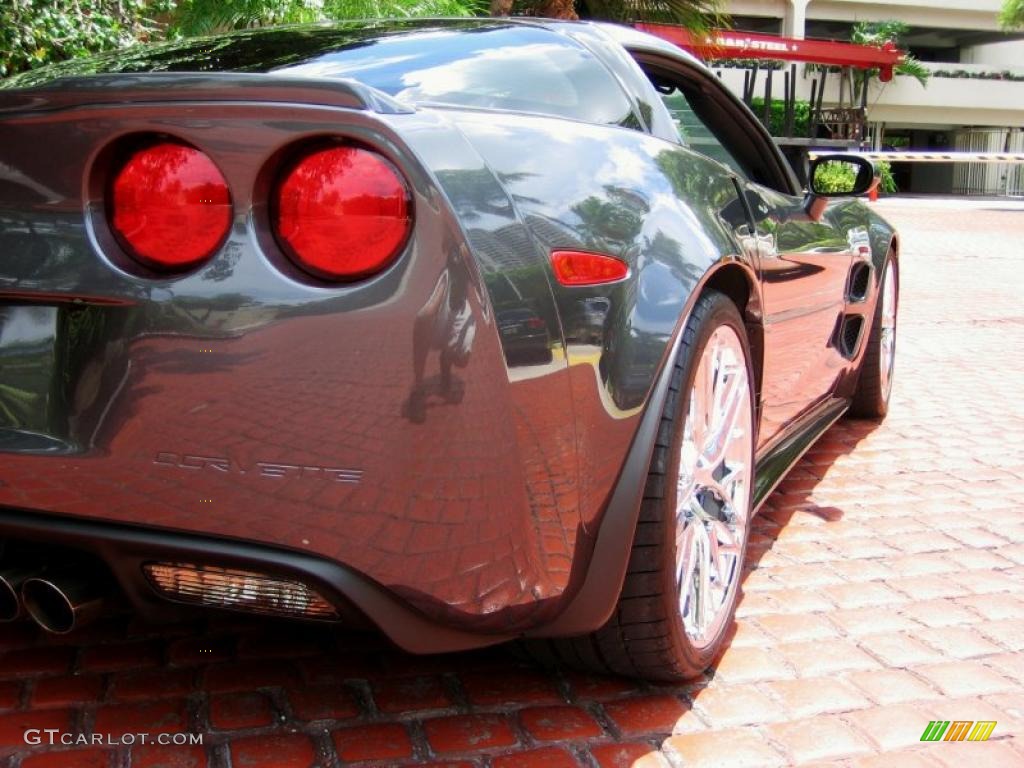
(803, 261)
(804, 266)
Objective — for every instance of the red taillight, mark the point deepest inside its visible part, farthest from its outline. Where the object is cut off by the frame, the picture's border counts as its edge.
(342, 212)
(170, 206)
(582, 268)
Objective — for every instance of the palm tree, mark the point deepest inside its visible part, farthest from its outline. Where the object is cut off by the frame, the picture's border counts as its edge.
(855, 84)
(696, 15)
(203, 17)
(1012, 14)
(881, 32)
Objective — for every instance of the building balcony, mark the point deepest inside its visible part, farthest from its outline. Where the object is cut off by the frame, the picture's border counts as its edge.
(946, 102)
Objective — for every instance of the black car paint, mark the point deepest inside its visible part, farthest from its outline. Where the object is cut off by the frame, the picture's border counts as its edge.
(494, 192)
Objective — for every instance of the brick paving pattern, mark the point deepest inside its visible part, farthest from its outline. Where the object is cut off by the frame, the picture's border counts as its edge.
(885, 588)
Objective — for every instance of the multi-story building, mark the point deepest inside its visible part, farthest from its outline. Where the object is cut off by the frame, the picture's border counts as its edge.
(974, 99)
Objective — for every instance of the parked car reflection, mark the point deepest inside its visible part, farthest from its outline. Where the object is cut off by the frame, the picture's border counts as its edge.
(588, 322)
(524, 335)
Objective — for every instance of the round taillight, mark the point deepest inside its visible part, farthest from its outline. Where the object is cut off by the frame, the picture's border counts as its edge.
(170, 206)
(342, 212)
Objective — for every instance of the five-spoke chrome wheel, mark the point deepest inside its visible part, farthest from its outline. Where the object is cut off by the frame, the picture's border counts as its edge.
(713, 487)
(887, 347)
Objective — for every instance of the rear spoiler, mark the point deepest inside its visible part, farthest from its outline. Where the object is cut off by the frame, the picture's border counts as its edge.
(163, 87)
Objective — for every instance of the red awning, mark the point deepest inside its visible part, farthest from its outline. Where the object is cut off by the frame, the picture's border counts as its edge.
(731, 44)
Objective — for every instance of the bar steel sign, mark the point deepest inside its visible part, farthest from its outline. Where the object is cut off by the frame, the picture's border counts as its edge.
(729, 44)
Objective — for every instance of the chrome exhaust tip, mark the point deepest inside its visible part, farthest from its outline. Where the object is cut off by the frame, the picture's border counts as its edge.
(63, 601)
(11, 579)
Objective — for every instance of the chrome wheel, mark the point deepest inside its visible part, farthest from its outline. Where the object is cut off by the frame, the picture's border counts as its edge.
(713, 488)
(887, 347)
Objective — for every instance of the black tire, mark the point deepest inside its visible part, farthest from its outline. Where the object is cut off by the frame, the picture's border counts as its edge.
(871, 397)
(645, 636)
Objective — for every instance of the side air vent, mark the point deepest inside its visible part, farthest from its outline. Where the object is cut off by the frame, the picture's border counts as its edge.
(860, 277)
(849, 335)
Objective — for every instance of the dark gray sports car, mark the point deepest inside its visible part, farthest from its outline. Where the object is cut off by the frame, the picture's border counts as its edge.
(465, 330)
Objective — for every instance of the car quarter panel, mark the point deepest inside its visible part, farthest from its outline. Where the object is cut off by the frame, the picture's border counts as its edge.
(672, 215)
(244, 400)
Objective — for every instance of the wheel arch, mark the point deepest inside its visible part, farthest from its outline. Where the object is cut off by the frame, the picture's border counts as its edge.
(739, 283)
(891, 253)
(593, 603)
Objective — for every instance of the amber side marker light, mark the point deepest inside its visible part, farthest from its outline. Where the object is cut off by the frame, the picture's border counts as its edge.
(238, 590)
(169, 206)
(575, 268)
(342, 212)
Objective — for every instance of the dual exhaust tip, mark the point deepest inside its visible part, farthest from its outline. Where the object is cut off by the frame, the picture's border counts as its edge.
(57, 600)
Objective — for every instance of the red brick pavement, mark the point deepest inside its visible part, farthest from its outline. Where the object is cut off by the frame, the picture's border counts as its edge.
(885, 588)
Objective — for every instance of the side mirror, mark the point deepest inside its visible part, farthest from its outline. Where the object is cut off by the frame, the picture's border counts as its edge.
(840, 175)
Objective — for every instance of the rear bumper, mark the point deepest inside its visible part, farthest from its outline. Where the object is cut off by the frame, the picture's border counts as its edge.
(124, 549)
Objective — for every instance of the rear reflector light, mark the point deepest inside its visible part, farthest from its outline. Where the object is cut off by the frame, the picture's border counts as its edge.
(238, 590)
(342, 212)
(582, 268)
(170, 206)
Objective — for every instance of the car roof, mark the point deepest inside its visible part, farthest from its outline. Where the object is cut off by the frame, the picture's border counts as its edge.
(635, 40)
(207, 54)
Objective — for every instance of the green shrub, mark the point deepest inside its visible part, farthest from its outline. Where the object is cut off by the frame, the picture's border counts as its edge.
(888, 182)
(835, 177)
(840, 177)
(36, 32)
(777, 117)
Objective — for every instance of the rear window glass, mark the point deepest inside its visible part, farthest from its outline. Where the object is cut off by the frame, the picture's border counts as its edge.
(472, 63)
(522, 69)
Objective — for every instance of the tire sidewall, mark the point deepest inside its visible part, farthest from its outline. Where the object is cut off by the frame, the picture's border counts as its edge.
(722, 312)
(890, 261)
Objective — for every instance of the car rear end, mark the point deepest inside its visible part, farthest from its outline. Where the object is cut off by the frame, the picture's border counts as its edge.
(201, 396)
(195, 354)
